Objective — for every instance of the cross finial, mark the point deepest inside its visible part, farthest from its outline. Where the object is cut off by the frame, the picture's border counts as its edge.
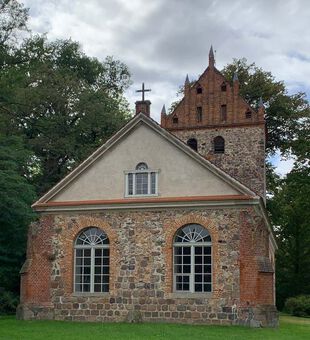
(143, 90)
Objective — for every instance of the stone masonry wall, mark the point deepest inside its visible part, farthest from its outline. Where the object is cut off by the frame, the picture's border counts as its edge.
(244, 157)
(141, 282)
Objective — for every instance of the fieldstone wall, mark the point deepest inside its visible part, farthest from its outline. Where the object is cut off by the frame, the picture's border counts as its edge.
(244, 157)
(141, 284)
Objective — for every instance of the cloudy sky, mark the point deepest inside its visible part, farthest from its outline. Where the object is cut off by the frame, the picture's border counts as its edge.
(163, 40)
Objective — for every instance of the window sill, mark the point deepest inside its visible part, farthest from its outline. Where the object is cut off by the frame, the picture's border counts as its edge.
(91, 294)
(188, 295)
(141, 196)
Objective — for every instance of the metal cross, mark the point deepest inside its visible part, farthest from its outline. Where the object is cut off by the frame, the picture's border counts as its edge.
(143, 90)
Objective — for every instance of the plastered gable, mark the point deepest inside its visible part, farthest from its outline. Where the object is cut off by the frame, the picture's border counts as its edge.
(179, 174)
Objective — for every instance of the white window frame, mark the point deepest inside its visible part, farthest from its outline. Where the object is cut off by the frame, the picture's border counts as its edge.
(92, 249)
(192, 239)
(134, 173)
(192, 273)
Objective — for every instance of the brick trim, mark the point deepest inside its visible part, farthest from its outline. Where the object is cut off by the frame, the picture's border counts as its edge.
(170, 228)
(145, 200)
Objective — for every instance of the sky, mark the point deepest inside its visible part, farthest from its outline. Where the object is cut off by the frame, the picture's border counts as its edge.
(163, 40)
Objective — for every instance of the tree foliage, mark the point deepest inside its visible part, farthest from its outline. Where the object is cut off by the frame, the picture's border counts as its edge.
(64, 103)
(16, 198)
(290, 212)
(13, 20)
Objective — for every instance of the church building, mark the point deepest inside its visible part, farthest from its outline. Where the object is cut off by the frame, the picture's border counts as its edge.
(162, 223)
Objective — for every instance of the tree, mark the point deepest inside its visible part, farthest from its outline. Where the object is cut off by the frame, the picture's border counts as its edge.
(13, 19)
(16, 198)
(290, 212)
(64, 103)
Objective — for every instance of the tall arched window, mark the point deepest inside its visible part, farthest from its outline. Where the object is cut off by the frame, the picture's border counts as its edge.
(192, 270)
(219, 144)
(91, 261)
(192, 143)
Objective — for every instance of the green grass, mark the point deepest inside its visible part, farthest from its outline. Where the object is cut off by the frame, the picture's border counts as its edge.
(290, 328)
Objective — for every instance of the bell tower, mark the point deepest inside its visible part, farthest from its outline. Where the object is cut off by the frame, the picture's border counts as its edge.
(216, 121)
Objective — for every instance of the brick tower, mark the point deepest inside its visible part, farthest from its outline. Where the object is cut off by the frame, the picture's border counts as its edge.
(216, 121)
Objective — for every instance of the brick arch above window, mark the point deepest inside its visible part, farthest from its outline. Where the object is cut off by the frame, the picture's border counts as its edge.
(170, 229)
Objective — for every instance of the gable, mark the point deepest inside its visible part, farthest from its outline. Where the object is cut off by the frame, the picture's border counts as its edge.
(179, 174)
(217, 102)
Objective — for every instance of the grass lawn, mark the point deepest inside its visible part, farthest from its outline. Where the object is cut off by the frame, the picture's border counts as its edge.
(290, 328)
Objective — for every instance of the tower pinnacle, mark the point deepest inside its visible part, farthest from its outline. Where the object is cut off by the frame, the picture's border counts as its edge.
(211, 58)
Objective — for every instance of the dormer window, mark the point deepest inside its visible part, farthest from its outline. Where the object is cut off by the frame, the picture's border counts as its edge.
(142, 181)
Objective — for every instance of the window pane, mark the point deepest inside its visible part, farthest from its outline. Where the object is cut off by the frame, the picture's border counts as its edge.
(207, 287)
(105, 270)
(186, 259)
(186, 287)
(130, 184)
(186, 250)
(86, 253)
(207, 259)
(105, 288)
(207, 278)
(178, 250)
(198, 269)
(207, 268)
(141, 184)
(207, 250)
(198, 287)
(198, 278)
(198, 250)
(98, 261)
(153, 182)
(186, 269)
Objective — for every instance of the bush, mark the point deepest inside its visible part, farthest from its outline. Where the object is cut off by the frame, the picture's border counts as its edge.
(8, 302)
(298, 305)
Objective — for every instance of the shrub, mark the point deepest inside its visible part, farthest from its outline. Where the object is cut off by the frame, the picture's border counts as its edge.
(298, 305)
(8, 302)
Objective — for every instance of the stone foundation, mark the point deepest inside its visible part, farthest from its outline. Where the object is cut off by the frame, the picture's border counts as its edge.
(186, 311)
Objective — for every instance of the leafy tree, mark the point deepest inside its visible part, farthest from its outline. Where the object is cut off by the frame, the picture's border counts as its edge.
(13, 20)
(64, 103)
(290, 211)
(15, 212)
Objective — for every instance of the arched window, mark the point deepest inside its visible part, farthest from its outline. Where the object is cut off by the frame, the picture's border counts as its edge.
(219, 144)
(142, 181)
(192, 269)
(91, 261)
(223, 87)
(192, 143)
